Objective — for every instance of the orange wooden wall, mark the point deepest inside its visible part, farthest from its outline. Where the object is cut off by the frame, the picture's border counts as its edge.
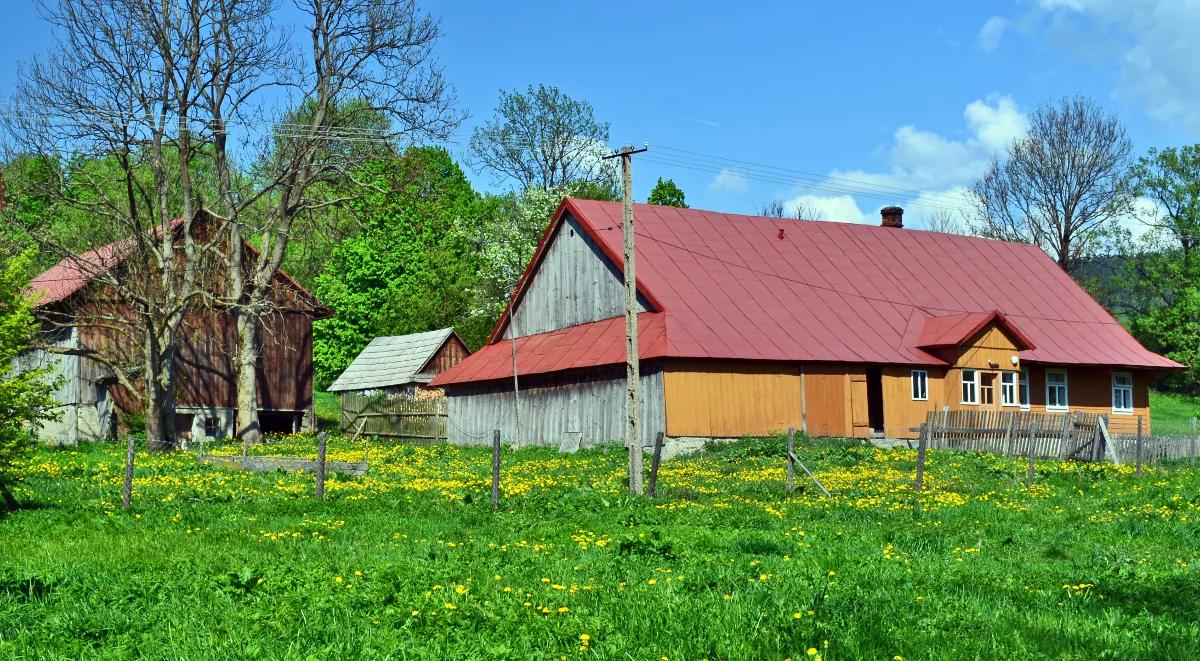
(729, 399)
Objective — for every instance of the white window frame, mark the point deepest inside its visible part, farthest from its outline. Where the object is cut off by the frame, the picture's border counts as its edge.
(1126, 389)
(920, 385)
(974, 381)
(1009, 391)
(1066, 398)
(1023, 389)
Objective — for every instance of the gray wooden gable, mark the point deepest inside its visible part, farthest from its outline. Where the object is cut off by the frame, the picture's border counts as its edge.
(391, 361)
(575, 284)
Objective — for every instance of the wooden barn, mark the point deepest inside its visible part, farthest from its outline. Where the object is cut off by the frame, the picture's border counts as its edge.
(94, 406)
(749, 326)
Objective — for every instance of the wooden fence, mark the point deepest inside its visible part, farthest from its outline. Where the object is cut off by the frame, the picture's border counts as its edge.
(1052, 435)
(1074, 435)
(420, 420)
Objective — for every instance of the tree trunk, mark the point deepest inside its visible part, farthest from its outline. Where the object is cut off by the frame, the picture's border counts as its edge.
(160, 402)
(249, 430)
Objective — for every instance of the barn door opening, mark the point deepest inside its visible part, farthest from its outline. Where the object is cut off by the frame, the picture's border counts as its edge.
(875, 399)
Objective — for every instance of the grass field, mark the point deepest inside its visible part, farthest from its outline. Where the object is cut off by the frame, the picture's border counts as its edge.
(411, 561)
(1172, 410)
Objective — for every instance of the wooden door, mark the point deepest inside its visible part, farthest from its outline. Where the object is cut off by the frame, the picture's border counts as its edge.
(860, 417)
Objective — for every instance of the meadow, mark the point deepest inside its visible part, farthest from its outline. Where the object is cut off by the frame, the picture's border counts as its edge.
(411, 561)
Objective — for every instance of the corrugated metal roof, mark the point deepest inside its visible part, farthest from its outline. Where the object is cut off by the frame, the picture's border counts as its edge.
(392, 361)
(745, 287)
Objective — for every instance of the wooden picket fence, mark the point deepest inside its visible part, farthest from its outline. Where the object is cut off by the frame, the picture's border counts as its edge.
(417, 420)
(1073, 435)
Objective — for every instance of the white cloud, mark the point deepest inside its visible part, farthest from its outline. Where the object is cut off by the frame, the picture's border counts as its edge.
(924, 160)
(729, 180)
(1152, 41)
(927, 172)
(991, 33)
(842, 208)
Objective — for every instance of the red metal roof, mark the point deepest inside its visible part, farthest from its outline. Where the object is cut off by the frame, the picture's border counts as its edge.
(953, 330)
(753, 288)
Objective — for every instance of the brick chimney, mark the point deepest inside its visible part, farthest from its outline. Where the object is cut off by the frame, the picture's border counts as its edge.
(892, 217)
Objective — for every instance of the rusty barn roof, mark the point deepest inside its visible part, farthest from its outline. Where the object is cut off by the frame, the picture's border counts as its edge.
(754, 288)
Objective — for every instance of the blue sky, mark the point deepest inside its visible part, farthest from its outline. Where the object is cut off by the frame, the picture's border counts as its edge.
(852, 105)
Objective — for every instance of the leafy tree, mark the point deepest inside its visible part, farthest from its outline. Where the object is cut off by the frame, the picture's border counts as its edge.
(1174, 330)
(667, 194)
(1060, 185)
(412, 268)
(544, 139)
(25, 396)
(1171, 179)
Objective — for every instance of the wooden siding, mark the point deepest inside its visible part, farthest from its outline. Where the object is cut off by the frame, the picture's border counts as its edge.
(591, 403)
(727, 399)
(451, 354)
(285, 365)
(574, 284)
(827, 399)
(900, 411)
(990, 344)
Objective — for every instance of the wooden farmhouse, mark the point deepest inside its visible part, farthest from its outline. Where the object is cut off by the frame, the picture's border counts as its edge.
(401, 365)
(95, 406)
(749, 326)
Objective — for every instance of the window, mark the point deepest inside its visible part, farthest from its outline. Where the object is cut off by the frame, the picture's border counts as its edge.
(211, 427)
(1122, 391)
(1056, 390)
(987, 388)
(1023, 389)
(1008, 388)
(920, 384)
(970, 387)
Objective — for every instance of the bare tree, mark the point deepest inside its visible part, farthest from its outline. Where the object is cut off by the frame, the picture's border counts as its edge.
(151, 105)
(777, 209)
(1060, 185)
(543, 138)
(113, 103)
(368, 60)
(947, 222)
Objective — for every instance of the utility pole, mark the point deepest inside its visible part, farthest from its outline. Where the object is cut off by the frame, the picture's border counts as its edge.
(633, 399)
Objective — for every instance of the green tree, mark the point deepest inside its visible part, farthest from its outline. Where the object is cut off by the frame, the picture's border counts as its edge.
(1171, 179)
(25, 396)
(667, 194)
(412, 268)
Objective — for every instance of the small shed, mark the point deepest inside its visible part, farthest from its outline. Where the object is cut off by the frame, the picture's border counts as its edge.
(400, 365)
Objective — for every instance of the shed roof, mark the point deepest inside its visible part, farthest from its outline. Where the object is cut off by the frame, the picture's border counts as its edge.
(392, 361)
(743, 287)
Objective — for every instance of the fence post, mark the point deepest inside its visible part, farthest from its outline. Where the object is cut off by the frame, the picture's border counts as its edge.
(1065, 439)
(1192, 447)
(127, 491)
(1139, 447)
(1009, 433)
(496, 469)
(1032, 441)
(321, 466)
(655, 460)
(791, 460)
(945, 424)
(921, 457)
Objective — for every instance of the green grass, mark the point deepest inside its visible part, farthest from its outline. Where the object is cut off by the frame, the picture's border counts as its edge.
(1173, 410)
(411, 561)
(327, 409)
